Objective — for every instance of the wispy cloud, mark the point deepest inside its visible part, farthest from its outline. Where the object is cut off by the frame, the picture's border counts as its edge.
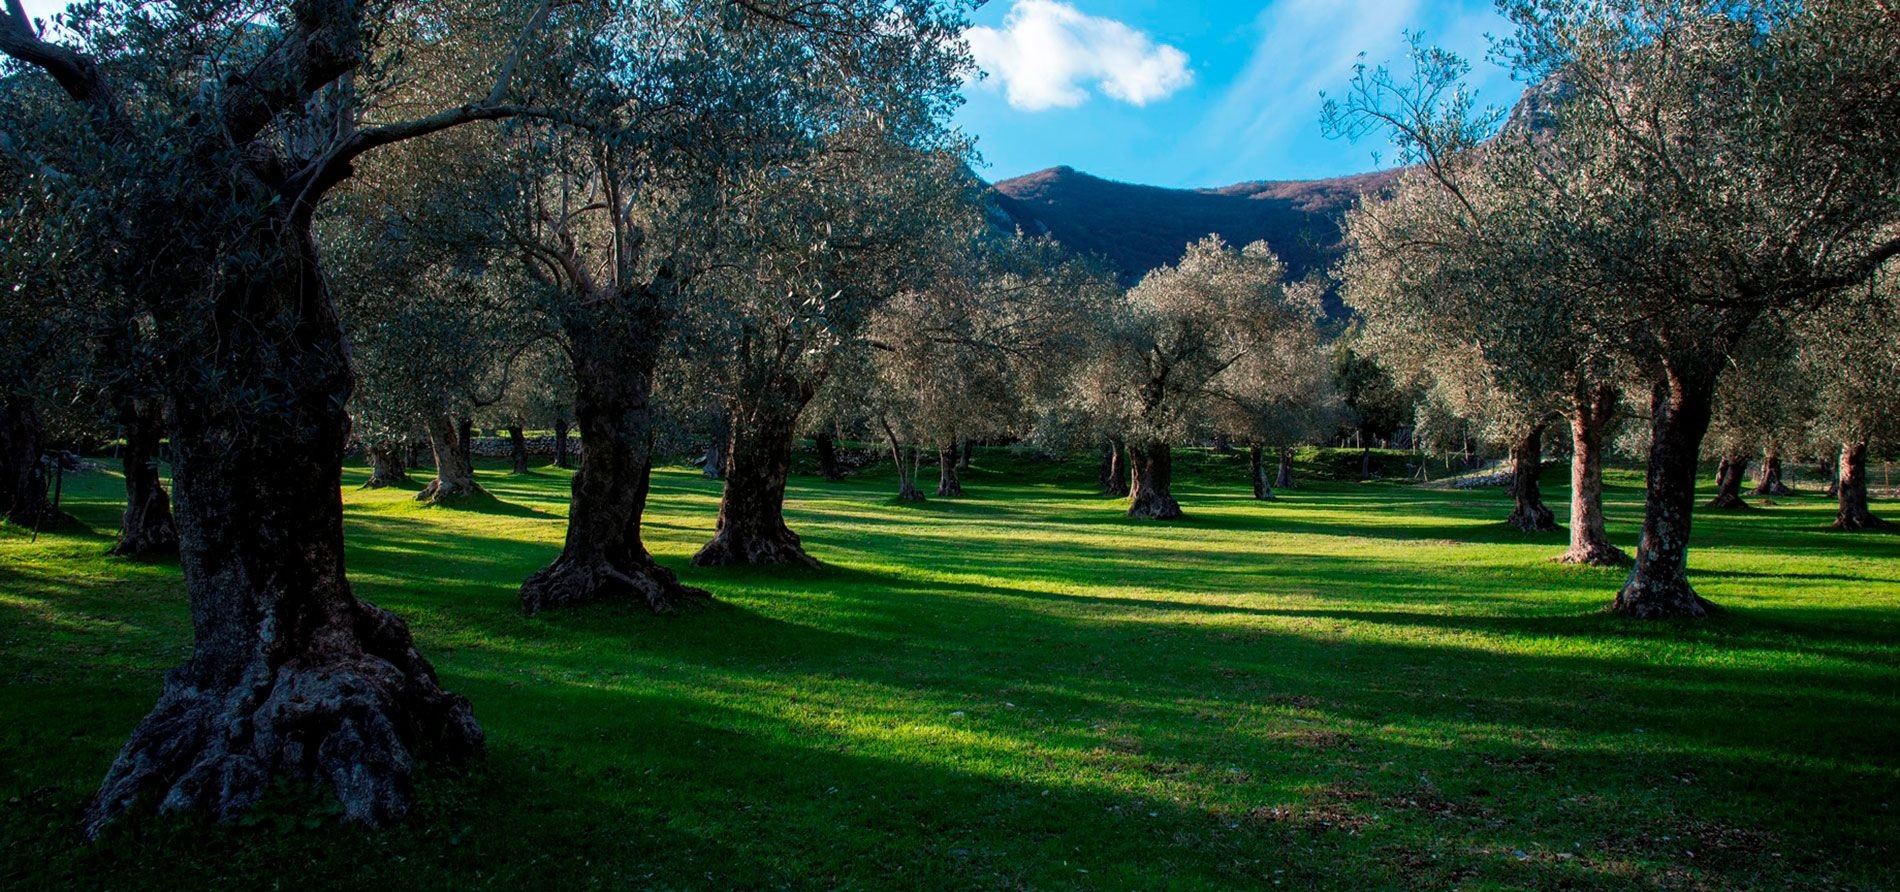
(1049, 54)
(1306, 47)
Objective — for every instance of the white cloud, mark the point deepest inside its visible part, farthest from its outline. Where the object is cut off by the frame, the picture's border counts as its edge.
(1048, 54)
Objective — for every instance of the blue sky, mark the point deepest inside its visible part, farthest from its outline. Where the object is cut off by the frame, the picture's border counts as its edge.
(1185, 92)
(1194, 92)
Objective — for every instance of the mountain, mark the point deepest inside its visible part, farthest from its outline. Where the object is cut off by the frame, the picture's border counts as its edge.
(1137, 228)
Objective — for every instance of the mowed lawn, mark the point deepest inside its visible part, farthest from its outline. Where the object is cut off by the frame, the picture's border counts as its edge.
(1356, 686)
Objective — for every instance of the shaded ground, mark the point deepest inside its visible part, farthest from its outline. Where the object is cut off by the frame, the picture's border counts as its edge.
(1356, 686)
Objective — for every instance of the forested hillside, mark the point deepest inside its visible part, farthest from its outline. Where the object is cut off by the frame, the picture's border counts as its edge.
(1138, 228)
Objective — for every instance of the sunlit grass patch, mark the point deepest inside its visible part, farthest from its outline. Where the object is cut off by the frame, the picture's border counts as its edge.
(1355, 686)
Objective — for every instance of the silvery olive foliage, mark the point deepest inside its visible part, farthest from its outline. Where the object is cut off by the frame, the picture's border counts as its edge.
(1192, 342)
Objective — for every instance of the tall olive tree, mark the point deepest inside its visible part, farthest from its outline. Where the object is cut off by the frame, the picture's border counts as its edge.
(825, 240)
(1850, 353)
(1698, 166)
(214, 133)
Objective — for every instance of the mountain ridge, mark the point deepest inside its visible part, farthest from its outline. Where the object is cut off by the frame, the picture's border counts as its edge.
(1136, 228)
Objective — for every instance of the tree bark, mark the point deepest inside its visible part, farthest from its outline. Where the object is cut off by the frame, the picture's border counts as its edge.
(562, 458)
(465, 441)
(1770, 481)
(1658, 586)
(1284, 480)
(1529, 514)
(760, 436)
(147, 529)
(906, 480)
(1728, 483)
(518, 449)
(22, 471)
(948, 458)
(386, 466)
(1113, 477)
(1365, 463)
(966, 453)
(1852, 491)
(827, 446)
(454, 474)
(717, 442)
(615, 351)
(290, 675)
(1257, 472)
(1153, 495)
(1590, 418)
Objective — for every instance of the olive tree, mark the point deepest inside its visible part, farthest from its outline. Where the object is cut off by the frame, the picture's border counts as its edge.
(1176, 345)
(993, 335)
(1694, 168)
(826, 241)
(1849, 351)
(1282, 393)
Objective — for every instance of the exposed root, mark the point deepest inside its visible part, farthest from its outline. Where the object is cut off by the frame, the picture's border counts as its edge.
(573, 580)
(1678, 601)
(1595, 555)
(1728, 502)
(1155, 507)
(353, 719)
(1853, 521)
(154, 542)
(441, 492)
(1532, 518)
(731, 549)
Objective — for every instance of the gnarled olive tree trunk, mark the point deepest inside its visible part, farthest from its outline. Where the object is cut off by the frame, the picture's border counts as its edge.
(1284, 480)
(562, 457)
(761, 434)
(906, 471)
(1590, 418)
(1153, 489)
(1658, 585)
(615, 351)
(717, 443)
(147, 529)
(290, 675)
(22, 473)
(1770, 482)
(1257, 472)
(949, 457)
(454, 470)
(518, 449)
(827, 447)
(1851, 490)
(1529, 514)
(386, 464)
(1113, 477)
(1729, 473)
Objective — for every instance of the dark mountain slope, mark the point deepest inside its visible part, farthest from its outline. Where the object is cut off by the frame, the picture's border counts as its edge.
(1137, 228)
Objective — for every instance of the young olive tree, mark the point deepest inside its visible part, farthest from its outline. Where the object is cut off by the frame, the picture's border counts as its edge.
(1175, 348)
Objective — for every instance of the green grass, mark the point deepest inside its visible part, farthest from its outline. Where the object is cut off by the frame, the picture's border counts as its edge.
(1357, 686)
